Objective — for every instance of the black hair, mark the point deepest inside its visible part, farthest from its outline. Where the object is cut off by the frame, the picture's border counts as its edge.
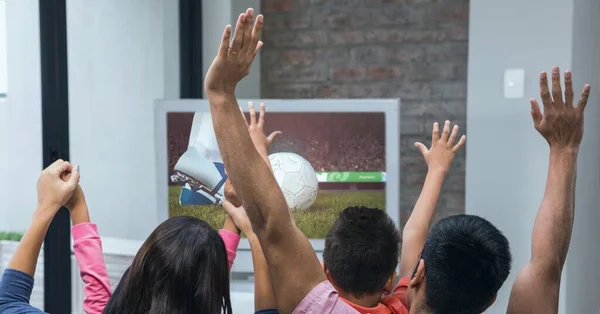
(467, 259)
(181, 268)
(361, 250)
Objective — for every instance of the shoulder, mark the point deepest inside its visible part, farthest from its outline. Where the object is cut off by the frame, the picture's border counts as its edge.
(401, 290)
(323, 299)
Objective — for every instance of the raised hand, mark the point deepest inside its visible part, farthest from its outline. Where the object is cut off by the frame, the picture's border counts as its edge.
(255, 128)
(561, 123)
(235, 56)
(443, 148)
(239, 217)
(53, 191)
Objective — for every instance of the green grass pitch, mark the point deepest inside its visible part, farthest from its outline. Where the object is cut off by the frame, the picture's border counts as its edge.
(314, 222)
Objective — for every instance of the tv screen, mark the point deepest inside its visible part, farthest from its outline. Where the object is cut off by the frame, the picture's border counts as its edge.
(323, 162)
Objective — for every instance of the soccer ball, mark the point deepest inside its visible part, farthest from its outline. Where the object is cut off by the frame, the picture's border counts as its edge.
(296, 178)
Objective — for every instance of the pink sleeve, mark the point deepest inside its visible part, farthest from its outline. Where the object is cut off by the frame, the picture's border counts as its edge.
(232, 240)
(87, 247)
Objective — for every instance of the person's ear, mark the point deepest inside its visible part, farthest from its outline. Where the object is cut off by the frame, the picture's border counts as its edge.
(419, 276)
(389, 285)
(326, 271)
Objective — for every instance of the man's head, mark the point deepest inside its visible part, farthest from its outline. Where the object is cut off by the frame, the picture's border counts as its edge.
(464, 263)
(361, 252)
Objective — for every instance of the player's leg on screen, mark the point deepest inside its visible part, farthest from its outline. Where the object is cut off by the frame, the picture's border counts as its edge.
(201, 174)
(201, 167)
(202, 136)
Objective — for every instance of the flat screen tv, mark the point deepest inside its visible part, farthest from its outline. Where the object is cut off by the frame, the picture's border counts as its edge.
(352, 145)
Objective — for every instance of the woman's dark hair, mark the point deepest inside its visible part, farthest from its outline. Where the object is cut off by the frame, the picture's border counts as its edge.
(181, 268)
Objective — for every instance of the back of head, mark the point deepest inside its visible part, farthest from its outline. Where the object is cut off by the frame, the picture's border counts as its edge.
(361, 250)
(181, 268)
(467, 259)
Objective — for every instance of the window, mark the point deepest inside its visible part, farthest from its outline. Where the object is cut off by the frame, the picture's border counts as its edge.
(3, 62)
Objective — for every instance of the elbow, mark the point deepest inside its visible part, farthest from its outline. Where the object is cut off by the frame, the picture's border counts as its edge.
(547, 267)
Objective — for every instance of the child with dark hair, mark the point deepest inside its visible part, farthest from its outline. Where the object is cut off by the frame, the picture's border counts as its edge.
(363, 246)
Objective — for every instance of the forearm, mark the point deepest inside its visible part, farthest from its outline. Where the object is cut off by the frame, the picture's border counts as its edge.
(80, 214)
(26, 256)
(416, 229)
(238, 153)
(264, 298)
(554, 221)
(229, 225)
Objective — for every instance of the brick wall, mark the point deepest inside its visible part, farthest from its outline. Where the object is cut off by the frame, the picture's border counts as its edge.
(415, 50)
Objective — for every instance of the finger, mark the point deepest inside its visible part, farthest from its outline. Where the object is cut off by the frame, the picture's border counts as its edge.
(225, 41)
(536, 114)
(422, 148)
(74, 178)
(255, 42)
(446, 131)
(228, 206)
(238, 35)
(243, 115)
(273, 136)
(252, 113)
(247, 31)
(569, 95)
(585, 94)
(545, 92)
(60, 166)
(435, 135)
(260, 44)
(557, 95)
(461, 143)
(453, 135)
(261, 116)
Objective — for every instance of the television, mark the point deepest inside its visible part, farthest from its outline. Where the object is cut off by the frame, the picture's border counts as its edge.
(352, 145)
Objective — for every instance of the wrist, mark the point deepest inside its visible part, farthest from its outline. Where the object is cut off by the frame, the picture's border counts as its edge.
(223, 92)
(564, 150)
(439, 170)
(44, 214)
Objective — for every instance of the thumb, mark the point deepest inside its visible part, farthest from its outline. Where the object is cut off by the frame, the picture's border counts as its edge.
(421, 147)
(73, 180)
(273, 136)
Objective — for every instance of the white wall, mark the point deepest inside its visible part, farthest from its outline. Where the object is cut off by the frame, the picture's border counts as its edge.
(215, 15)
(3, 78)
(507, 159)
(20, 117)
(122, 57)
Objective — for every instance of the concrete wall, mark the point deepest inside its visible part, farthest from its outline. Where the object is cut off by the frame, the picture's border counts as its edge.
(121, 59)
(414, 50)
(508, 160)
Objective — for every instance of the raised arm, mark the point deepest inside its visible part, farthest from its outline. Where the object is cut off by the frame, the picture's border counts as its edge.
(87, 247)
(438, 158)
(536, 289)
(17, 281)
(283, 244)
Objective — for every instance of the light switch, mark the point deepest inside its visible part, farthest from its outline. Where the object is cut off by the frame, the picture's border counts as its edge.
(514, 83)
